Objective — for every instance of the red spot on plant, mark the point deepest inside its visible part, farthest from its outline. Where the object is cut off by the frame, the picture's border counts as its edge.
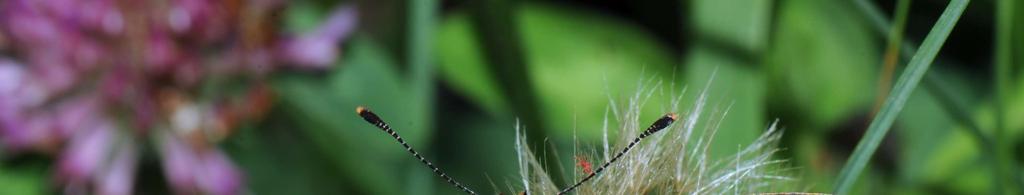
(585, 165)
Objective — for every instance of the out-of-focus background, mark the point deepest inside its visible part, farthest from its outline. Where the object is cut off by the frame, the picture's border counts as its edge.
(258, 96)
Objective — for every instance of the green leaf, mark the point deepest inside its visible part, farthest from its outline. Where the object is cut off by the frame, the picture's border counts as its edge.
(462, 64)
(735, 90)
(302, 16)
(23, 180)
(276, 160)
(906, 83)
(960, 152)
(822, 63)
(735, 84)
(926, 119)
(742, 22)
(325, 112)
(576, 61)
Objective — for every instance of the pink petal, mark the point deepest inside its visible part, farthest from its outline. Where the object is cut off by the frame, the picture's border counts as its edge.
(339, 25)
(119, 176)
(178, 163)
(318, 49)
(86, 152)
(77, 113)
(309, 52)
(20, 133)
(11, 76)
(217, 175)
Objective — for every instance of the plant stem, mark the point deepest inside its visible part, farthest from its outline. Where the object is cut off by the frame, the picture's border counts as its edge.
(495, 23)
(906, 83)
(892, 52)
(932, 86)
(422, 20)
(1003, 63)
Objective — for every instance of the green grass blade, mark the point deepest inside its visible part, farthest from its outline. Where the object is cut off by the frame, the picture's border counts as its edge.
(892, 51)
(1004, 60)
(496, 24)
(422, 20)
(909, 80)
(959, 112)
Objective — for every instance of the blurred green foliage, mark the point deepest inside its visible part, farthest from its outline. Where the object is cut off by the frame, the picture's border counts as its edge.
(327, 108)
(726, 60)
(577, 63)
(824, 60)
(812, 65)
(22, 179)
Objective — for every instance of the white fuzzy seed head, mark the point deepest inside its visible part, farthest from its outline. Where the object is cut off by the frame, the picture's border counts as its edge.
(673, 161)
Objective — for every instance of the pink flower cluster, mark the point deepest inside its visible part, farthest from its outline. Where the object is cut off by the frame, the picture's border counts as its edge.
(92, 80)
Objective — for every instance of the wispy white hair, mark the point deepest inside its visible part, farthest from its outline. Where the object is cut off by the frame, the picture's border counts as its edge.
(673, 162)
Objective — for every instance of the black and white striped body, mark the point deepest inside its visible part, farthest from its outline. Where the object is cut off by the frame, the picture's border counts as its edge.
(376, 121)
(654, 128)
